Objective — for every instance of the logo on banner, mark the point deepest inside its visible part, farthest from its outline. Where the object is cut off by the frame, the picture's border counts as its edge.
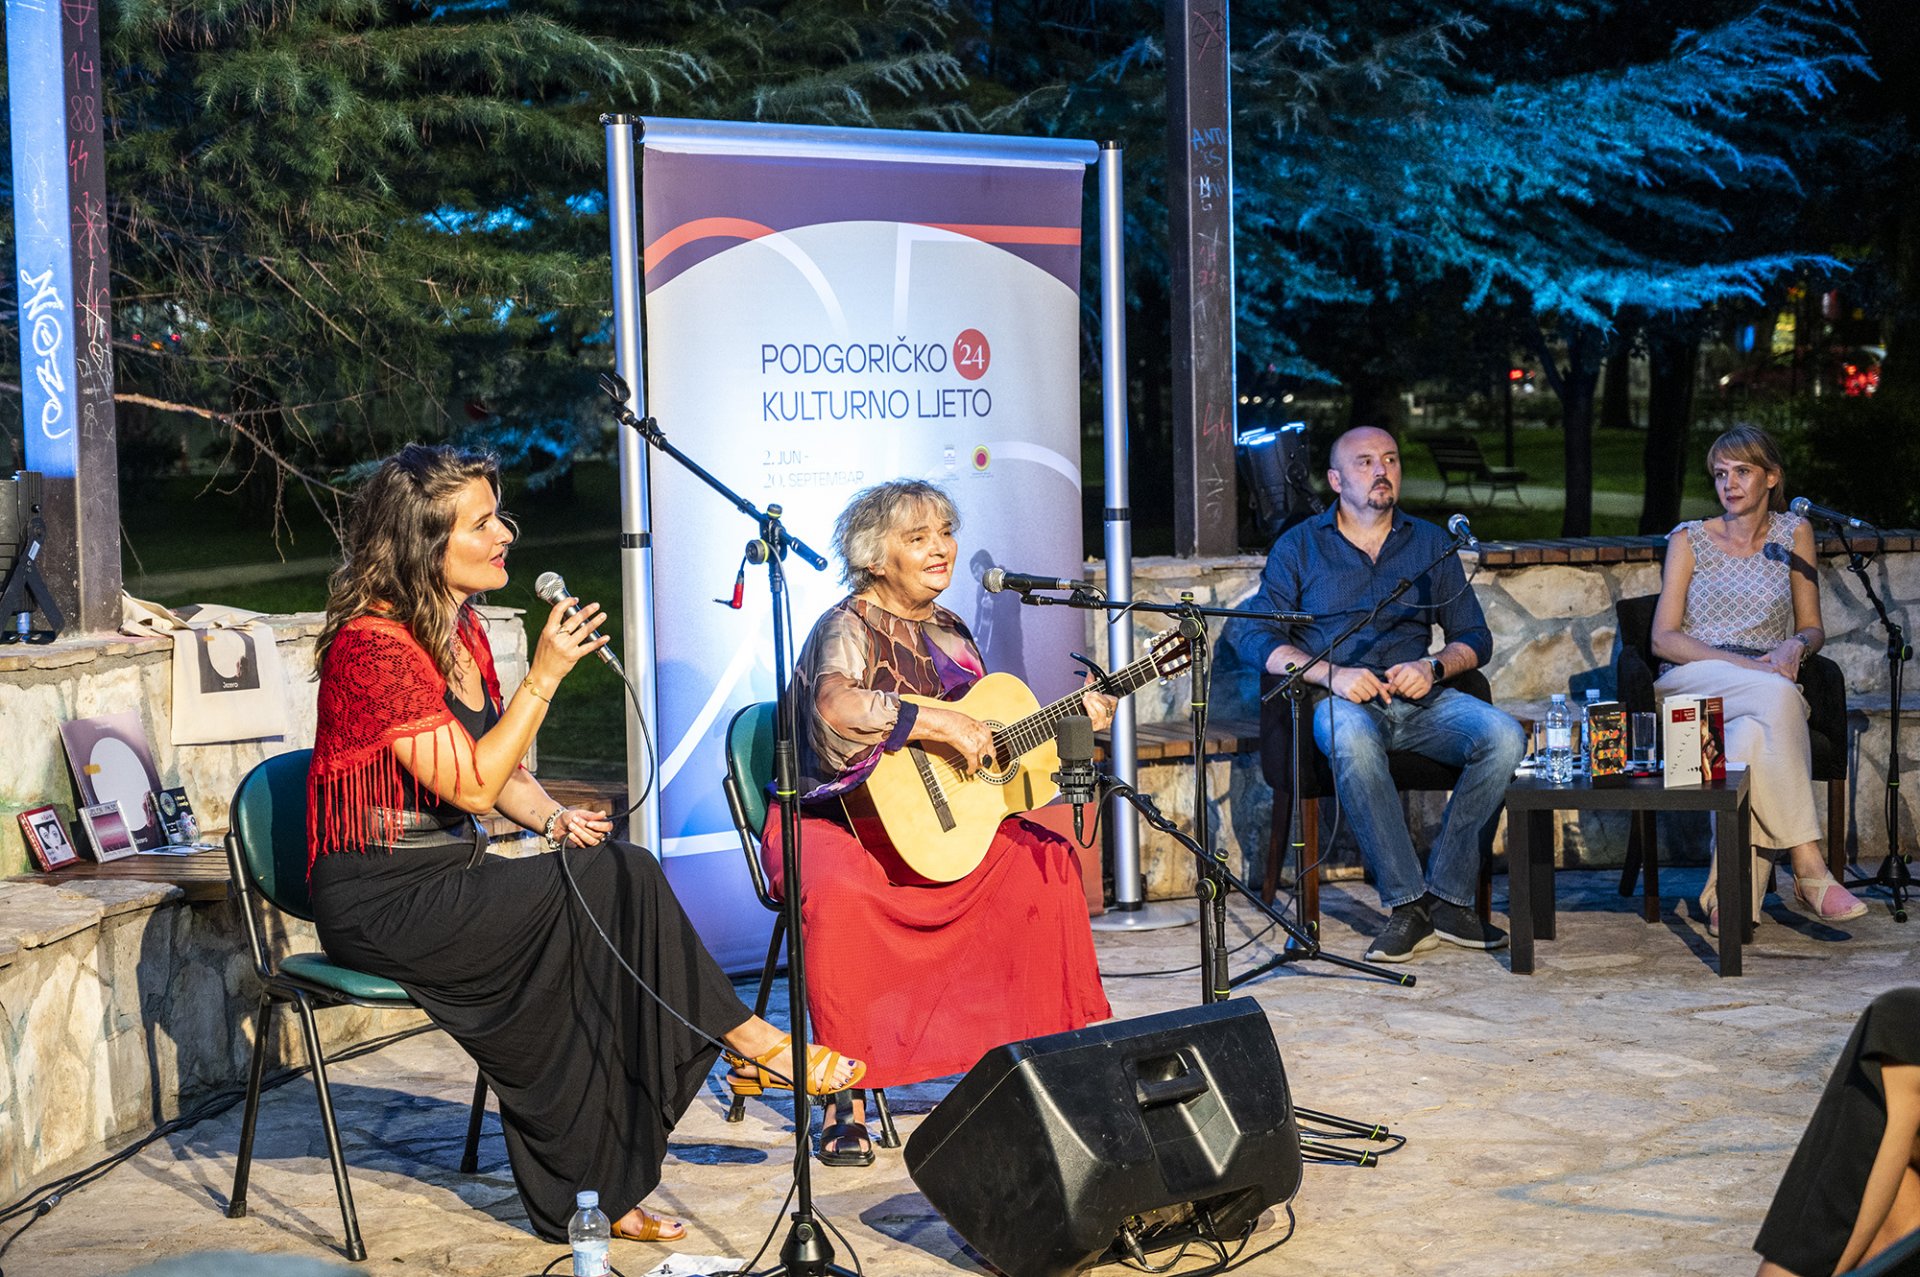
(900, 380)
(971, 354)
(982, 458)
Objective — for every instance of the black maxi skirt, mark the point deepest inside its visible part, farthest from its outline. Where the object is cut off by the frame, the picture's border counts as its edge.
(591, 1073)
(1818, 1200)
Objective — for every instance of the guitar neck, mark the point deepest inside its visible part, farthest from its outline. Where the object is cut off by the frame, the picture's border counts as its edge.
(1015, 739)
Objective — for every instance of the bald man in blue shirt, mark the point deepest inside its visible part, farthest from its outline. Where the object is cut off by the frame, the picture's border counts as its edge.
(1381, 687)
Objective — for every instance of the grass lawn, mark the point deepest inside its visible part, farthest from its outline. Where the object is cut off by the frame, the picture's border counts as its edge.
(1541, 452)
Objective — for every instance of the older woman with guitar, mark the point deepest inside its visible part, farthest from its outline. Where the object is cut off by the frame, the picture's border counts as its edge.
(914, 973)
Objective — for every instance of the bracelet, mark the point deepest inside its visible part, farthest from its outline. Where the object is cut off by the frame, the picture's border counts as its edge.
(1806, 644)
(546, 830)
(533, 691)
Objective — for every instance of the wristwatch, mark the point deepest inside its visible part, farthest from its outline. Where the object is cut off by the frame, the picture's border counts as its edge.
(1439, 670)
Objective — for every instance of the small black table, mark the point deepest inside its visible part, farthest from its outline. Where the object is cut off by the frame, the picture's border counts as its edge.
(1531, 802)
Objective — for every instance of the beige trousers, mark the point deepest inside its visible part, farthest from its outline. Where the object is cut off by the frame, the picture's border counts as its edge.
(1766, 725)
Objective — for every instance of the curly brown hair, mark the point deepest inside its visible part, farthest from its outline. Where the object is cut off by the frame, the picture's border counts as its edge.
(396, 548)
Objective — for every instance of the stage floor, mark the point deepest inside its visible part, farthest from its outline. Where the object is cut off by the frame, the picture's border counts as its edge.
(1624, 1110)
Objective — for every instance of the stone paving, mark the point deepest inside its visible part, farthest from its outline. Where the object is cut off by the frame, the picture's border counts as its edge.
(1622, 1111)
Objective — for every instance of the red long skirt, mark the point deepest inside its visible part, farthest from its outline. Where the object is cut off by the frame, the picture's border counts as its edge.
(921, 981)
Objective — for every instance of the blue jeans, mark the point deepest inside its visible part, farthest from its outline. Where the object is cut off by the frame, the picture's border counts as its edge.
(1451, 728)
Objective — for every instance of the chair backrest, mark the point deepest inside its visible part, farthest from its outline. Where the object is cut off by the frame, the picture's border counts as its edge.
(268, 832)
(1636, 626)
(750, 761)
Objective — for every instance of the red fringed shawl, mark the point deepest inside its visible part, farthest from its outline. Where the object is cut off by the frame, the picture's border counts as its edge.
(377, 686)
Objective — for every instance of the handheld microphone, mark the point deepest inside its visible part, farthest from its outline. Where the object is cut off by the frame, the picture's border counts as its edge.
(1808, 510)
(1459, 527)
(1077, 780)
(998, 579)
(551, 589)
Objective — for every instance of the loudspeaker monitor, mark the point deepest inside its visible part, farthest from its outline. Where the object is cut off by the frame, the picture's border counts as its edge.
(1058, 1153)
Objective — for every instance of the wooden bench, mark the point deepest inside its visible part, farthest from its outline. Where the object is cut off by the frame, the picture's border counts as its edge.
(203, 875)
(1164, 742)
(1459, 460)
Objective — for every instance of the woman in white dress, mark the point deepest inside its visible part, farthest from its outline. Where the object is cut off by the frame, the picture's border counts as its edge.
(1739, 610)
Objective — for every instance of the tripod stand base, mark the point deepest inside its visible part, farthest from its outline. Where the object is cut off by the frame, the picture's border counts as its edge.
(1147, 917)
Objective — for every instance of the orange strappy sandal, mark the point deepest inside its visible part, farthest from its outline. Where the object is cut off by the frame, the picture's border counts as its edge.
(765, 1072)
(653, 1228)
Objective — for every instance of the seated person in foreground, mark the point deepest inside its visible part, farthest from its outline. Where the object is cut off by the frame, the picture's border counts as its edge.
(1739, 610)
(1383, 689)
(412, 743)
(925, 978)
(1853, 1186)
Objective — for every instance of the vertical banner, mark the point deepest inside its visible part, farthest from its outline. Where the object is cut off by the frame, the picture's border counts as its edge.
(827, 309)
(61, 273)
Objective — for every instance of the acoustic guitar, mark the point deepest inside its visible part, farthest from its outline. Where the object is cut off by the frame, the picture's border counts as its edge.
(933, 822)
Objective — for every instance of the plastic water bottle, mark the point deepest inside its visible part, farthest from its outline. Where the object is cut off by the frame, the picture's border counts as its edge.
(590, 1233)
(1559, 740)
(1586, 730)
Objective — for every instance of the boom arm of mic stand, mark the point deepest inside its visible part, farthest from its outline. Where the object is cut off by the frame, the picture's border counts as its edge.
(1309, 947)
(649, 429)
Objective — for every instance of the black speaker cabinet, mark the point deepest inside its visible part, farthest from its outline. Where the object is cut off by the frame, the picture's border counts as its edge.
(1062, 1152)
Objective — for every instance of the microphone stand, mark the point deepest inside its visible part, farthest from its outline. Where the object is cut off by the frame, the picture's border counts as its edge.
(806, 1251)
(1293, 687)
(1895, 873)
(1214, 880)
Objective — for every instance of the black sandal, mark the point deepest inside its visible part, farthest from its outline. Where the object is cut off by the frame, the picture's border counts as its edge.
(844, 1128)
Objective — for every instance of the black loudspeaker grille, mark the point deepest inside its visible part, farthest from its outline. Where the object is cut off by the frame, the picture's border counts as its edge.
(1048, 1148)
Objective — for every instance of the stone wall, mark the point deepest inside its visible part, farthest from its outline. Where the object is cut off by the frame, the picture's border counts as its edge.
(1551, 608)
(121, 1007)
(121, 1004)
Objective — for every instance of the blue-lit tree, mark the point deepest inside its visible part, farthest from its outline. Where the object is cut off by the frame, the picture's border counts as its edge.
(1556, 164)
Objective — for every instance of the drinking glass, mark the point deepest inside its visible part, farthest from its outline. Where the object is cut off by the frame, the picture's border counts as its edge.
(1646, 739)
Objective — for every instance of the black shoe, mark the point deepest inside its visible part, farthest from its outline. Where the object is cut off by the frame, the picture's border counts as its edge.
(1457, 924)
(1408, 932)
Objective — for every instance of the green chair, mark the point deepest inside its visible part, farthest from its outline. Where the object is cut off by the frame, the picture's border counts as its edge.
(749, 772)
(267, 855)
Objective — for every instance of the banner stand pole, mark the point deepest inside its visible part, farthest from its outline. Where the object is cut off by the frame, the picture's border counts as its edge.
(636, 517)
(1130, 911)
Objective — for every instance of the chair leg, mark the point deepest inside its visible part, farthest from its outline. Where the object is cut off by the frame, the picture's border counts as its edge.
(1837, 828)
(356, 1250)
(256, 1073)
(889, 1138)
(1483, 890)
(737, 1107)
(470, 1160)
(1308, 868)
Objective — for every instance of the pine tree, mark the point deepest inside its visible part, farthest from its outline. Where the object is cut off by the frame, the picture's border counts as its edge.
(369, 220)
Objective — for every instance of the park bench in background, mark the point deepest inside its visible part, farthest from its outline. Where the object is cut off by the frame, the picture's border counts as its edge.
(1459, 460)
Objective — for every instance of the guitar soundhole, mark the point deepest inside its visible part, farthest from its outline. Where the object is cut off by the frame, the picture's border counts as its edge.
(1003, 773)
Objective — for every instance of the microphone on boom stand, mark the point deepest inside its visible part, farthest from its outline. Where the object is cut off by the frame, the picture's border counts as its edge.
(1078, 781)
(1463, 531)
(998, 579)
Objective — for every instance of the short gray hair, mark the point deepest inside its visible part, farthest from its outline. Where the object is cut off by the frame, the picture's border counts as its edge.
(860, 533)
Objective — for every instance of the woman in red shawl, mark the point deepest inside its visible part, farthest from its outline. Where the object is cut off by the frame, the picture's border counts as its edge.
(412, 743)
(920, 980)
